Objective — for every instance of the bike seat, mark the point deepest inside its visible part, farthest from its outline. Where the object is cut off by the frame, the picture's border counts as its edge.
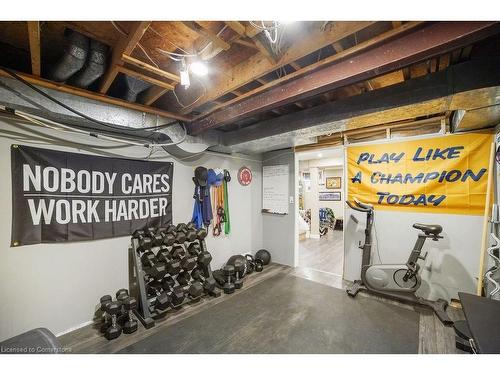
(429, 228)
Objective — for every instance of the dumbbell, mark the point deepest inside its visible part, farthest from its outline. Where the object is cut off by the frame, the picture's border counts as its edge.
(201, 234)
(239, 268)
(192, 289)
(130, 325)
(121, 295)
(114, 330)
(167, 235)
(156, 237)
(194, 248)
(187, 262)
(204, 258)
(145, 242)
(183, 278)
(209, 283)
(189, 230)
(180, 237)
(106, 323)
(172, 266)
(175, 293)
(162, 298)
(228, 272)
(152, 267)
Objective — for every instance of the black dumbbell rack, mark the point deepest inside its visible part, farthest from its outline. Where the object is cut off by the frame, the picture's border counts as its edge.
(143, 312)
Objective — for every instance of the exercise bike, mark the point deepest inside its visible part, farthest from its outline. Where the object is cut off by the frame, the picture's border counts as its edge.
(396, 281)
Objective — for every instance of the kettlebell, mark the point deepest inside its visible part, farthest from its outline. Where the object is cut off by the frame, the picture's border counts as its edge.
(259, 265)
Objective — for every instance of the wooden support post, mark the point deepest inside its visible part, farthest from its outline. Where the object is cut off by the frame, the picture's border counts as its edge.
(486, 220)
(34, 41)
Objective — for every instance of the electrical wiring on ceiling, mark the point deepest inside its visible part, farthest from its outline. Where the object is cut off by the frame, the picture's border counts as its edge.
(69, 128)
(179, 56)
(196, 100)
(114, 127)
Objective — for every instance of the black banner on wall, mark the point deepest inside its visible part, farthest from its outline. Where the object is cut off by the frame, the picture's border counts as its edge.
(61, 196)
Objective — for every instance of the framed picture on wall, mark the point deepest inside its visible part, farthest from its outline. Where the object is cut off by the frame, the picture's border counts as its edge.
(330, 196)
(333, 182)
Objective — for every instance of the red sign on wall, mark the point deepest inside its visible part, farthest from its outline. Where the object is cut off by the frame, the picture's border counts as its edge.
(244, 176)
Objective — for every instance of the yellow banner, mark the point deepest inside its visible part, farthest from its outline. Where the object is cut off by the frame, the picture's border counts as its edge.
(445, 174)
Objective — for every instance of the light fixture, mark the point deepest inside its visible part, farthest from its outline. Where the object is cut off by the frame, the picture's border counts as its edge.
(198, 68)
(320, 155)
(184, 73)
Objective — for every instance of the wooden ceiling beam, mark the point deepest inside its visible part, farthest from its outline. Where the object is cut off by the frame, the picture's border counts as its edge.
(471, 84)
(143, 77)
(341, 55)
(237, 27)
(259, 65)
(200, 30)
(251, 30)
(264, 49)
(124, 46)
(246, 43)
(421, 44)
(153, 94)
(150, 68)
(34, 43)
(96, 96)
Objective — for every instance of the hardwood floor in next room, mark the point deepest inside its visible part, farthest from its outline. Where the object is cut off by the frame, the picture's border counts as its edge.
(325, 254)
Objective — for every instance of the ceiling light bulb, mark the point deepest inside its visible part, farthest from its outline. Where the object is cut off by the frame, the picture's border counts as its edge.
(320, 155)
(198, 68)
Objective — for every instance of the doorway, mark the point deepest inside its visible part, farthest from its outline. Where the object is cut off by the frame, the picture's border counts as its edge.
(320, 176)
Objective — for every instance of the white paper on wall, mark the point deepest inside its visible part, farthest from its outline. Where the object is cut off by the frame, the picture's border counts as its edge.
(275, 189)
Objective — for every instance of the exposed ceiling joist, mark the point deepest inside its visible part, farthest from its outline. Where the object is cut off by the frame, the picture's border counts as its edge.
(124, 46)
(418, 45)
(34, 43)
(259, 65)
(446, 90)
(200, 30)
(143, 77)
(153, 69)
(153, 94)
(237, 27)
(329, 60)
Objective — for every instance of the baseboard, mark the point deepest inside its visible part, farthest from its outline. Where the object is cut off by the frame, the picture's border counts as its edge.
(75, 328)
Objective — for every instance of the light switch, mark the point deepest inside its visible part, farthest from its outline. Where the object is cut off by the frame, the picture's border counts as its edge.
(291, 199)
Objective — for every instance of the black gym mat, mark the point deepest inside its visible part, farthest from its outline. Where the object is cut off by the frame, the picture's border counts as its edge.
(288, 314)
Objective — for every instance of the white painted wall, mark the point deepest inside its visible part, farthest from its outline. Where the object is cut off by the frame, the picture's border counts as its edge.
(451, 265)
(280, 231)
(58, 286)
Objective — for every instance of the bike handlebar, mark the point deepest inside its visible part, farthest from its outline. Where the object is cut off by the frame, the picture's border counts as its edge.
(360, 206)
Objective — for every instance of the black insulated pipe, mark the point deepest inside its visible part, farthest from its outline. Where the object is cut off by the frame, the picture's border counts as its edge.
(94, 67)
(75, 55)
(134, 87)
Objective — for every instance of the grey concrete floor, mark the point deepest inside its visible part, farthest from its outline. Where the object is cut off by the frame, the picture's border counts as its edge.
(431, 335)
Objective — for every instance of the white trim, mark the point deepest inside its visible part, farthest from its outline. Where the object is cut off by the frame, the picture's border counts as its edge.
(75, 328)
